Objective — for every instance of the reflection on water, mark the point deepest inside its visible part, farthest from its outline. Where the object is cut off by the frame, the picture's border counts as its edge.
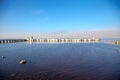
(69, 61)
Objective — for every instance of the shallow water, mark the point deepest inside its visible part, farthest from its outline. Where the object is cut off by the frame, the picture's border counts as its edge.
(62, 61)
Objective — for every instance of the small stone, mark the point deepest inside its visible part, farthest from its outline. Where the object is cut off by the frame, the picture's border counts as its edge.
(22, 62)
(3, 57)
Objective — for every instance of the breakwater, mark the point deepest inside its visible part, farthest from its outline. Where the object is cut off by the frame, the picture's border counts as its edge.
(3, 41)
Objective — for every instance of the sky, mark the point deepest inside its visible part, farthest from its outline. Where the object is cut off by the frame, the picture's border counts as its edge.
(24, 18)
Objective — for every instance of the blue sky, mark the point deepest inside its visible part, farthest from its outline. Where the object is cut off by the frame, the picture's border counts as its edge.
(28, 17)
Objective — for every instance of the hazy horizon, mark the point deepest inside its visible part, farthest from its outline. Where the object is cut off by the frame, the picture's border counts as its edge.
(76, 34)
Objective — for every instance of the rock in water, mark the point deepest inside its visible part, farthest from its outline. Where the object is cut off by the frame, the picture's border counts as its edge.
(3, 57)
(22, 62)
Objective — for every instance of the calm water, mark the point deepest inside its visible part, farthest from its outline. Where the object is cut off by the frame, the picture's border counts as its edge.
(69, 61)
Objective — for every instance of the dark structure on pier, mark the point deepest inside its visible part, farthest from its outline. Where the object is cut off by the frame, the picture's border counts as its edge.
(11, 40)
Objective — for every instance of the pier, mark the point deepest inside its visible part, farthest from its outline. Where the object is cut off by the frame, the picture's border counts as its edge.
(62, 40)
(52, 40)
(3, 41)
(117, 42)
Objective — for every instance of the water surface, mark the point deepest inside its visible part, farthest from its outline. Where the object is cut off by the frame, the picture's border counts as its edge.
(62, 61)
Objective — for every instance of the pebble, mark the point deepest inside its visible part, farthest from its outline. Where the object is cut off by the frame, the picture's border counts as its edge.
(22, 62)
(3, 57)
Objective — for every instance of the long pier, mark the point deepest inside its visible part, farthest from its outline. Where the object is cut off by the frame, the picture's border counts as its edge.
(65, 40)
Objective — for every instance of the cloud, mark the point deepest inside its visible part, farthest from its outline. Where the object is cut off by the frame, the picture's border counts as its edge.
(101, 33)
(115, 33)
(41, 15)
